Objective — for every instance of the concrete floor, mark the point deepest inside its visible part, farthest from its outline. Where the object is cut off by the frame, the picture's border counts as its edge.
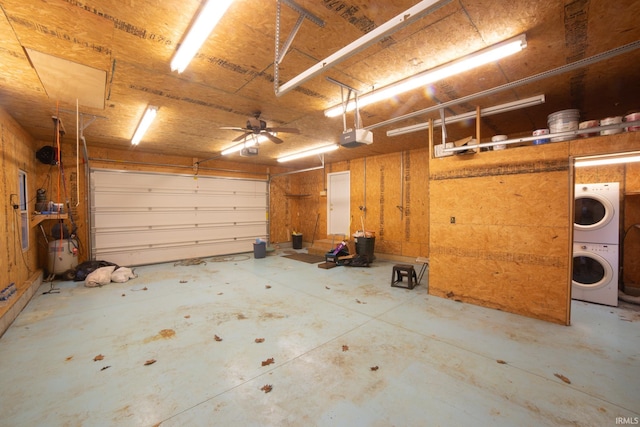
(347, 350)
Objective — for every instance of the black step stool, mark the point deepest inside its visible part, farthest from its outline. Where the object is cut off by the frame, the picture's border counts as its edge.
(404, 270)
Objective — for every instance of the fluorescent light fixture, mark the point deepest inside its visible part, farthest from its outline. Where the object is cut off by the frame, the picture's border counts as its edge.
(319, 150)
(466, 63)
(246, 144)
(144, 124)
(608, 159)
(200, 30)
(489, 111)
(381, 31)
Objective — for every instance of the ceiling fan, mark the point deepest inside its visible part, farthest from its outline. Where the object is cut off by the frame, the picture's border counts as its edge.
(256, 126)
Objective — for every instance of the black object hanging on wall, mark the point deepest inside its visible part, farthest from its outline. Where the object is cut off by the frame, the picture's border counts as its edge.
(47, 155)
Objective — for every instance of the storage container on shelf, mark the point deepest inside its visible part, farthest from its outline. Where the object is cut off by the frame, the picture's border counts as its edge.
(586, 125)
(498, 138)
(540, 132)
(563, 121)
(632, 118)
(611, 121)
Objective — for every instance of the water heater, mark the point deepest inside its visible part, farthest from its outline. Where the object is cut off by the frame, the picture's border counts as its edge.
(63, 255)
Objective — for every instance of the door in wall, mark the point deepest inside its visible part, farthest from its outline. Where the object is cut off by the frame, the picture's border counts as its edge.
(338, 202)
(143, 218)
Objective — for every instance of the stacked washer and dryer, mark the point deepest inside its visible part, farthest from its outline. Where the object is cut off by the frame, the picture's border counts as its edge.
(596, 236)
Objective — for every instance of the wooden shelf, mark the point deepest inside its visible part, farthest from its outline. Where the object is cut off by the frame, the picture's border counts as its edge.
(37, 219)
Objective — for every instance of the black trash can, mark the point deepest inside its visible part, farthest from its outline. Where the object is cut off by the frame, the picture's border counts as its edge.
(260, 250)
(366, 246)
(297, 241)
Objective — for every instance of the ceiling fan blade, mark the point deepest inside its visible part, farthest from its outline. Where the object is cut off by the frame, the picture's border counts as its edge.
(241, 137)
(234, 128)
(272, 138)
(283, 130)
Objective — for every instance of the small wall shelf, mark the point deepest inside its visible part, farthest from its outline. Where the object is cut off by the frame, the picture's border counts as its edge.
(37, 219)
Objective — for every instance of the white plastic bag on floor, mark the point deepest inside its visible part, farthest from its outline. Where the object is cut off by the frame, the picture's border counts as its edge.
(123, 274)
(99, 277)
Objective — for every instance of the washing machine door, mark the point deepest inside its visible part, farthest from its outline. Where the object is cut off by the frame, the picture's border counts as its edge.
(592, 212)
(590, 270)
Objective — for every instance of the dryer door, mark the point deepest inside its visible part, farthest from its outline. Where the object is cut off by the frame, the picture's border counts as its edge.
(590, 270)
(592, 212)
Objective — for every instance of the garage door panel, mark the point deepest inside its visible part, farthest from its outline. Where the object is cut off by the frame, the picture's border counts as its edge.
(122, 239)
(139, 218)
(143, 256)
(193, 217)
(104, 200)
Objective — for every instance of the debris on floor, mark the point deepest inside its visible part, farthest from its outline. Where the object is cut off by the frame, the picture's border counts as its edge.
(268, 361)
(98, 357)
(563, 378)
(105, 367)
(217, 338)
(150, 362)
(345, 348)
(502, 362)
(374, 368)
(190, 261)
(259, 340)
(267, 388)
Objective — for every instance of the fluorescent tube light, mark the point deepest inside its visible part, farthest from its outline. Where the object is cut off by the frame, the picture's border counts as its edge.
(200, 30)
(144, 124)
(466, 63)
(247, 143)
(608, 159)
(489, 111)
(319, 150)
(381, 31)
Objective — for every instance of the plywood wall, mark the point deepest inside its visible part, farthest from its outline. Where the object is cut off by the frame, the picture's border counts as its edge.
(500, 230)
(388, 194)
(16, 266)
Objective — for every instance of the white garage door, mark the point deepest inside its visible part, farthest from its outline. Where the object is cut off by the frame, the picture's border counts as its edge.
(143, 218)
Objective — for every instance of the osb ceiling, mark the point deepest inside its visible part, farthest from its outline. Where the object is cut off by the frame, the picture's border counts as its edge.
(109, 59)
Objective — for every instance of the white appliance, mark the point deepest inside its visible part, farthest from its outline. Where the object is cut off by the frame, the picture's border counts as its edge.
(596, 213)
(595, 273)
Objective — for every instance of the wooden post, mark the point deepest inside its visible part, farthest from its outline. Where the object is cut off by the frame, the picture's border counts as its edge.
(431, 147)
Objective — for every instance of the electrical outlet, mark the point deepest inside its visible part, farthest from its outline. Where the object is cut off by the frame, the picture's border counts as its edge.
(452, 220)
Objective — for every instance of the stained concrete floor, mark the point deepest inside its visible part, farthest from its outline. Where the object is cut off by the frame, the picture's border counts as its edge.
(346, 348)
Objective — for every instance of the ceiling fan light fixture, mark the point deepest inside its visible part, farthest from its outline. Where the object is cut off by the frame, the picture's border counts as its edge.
(307, 153)
(203, 25)
(466, 63)
(145, 122)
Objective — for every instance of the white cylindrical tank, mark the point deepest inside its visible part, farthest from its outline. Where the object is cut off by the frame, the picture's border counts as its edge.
(63, 255)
